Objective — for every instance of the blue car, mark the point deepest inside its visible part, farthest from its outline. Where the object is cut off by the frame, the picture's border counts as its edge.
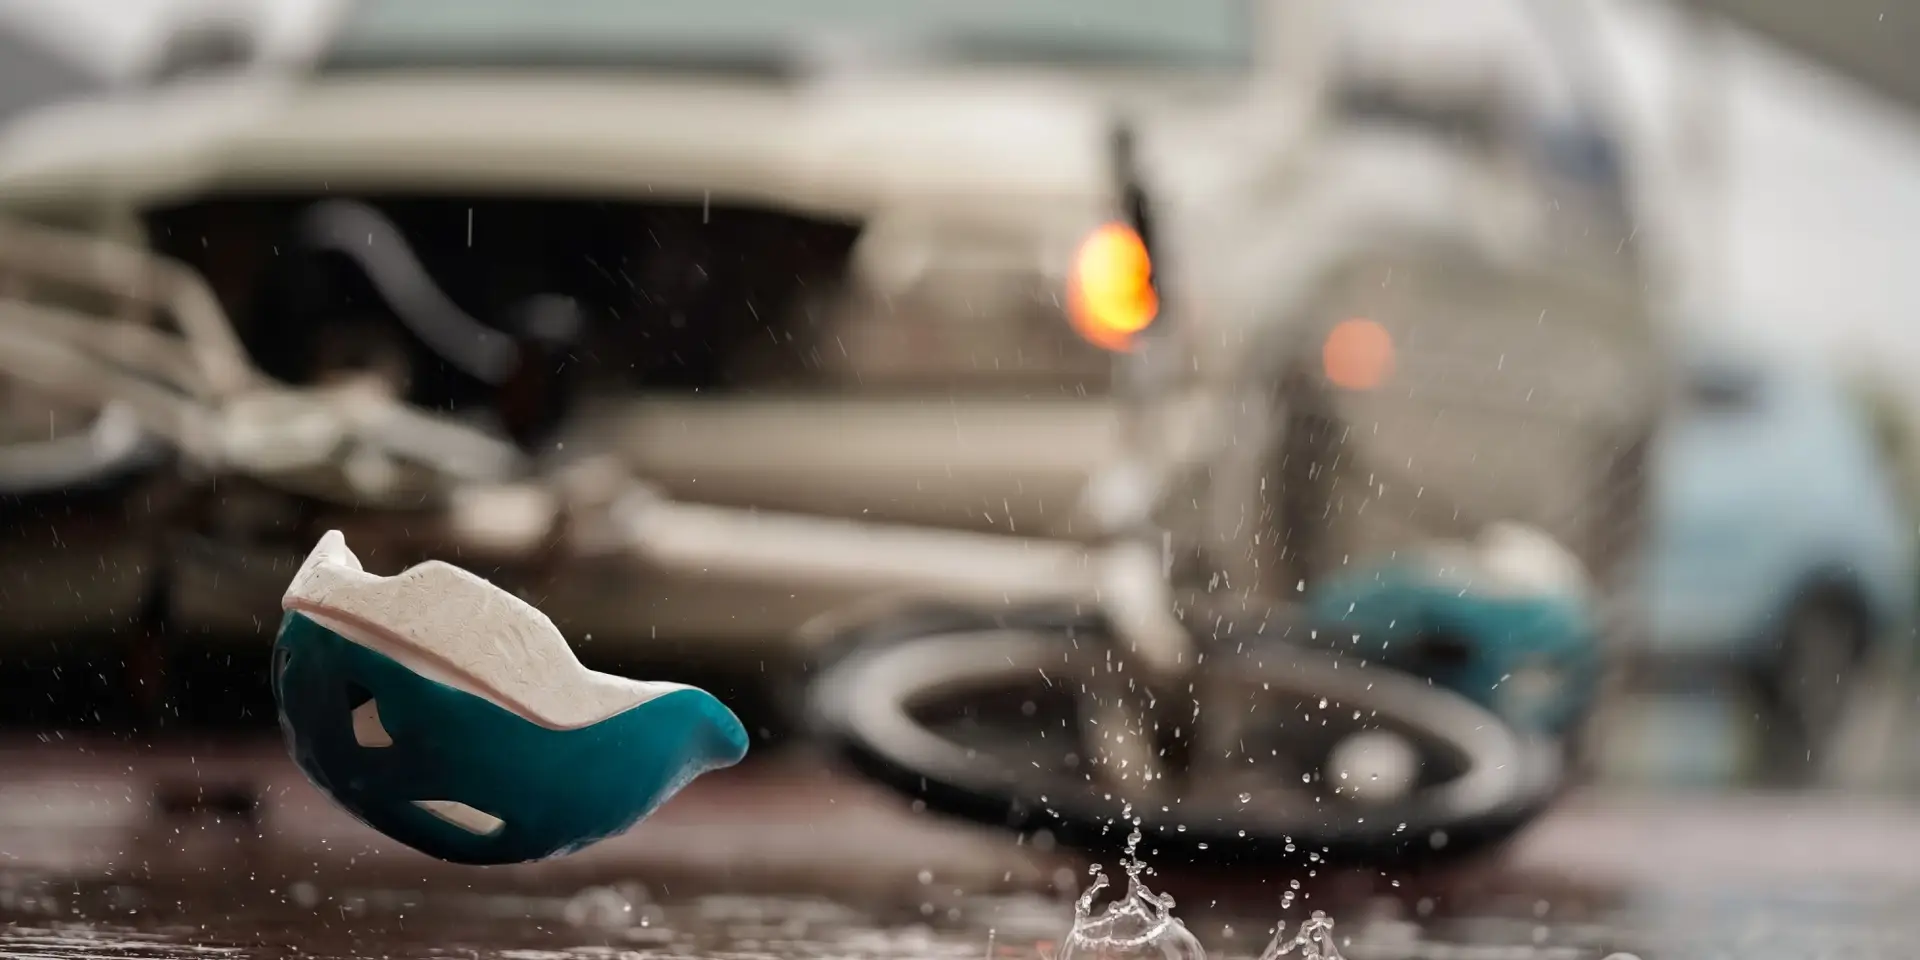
(1779, 547)
(1781, 544)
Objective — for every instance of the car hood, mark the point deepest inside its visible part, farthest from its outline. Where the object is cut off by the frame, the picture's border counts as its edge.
(835, 148)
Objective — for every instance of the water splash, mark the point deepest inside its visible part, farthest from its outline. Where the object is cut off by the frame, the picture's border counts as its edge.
(1140, 925)
(611, 909)
(1314, 940)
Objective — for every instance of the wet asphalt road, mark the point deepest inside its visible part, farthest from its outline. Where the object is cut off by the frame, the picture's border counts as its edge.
(109, 851)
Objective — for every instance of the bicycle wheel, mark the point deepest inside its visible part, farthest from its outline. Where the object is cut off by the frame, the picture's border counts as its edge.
(990, 723)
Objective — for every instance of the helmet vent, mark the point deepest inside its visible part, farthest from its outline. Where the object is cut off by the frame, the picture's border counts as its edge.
(460, 815)
(368, 731)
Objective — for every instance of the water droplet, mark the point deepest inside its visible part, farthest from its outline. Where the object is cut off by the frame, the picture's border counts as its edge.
(1246, 798)
(303, 894)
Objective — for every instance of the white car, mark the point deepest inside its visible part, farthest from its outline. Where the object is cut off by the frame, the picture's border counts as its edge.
(862, 268)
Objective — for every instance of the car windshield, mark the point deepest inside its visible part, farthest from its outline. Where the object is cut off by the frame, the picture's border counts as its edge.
(780, 35)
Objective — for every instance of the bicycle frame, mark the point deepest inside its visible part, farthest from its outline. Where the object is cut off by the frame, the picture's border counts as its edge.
(194, 387)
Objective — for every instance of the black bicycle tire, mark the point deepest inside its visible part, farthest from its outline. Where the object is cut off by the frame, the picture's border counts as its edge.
(1532, 766)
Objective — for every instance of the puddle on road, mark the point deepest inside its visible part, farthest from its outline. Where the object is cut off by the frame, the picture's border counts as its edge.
(63, 919)
(97, 920)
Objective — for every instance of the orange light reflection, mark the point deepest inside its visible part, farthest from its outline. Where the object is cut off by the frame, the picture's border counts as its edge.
(1110, 295)
(1358, 354)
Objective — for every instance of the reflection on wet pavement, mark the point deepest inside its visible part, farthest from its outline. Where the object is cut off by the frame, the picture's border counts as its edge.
(113, 852)
(52, 919)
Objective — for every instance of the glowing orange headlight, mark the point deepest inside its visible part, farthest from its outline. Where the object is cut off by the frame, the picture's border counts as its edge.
(1110, 295)
(1358, 354)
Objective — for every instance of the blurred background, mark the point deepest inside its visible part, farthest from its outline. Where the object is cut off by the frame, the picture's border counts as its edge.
(1557, 353)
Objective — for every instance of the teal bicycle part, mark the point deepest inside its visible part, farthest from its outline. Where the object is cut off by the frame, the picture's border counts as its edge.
(1532, 658)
